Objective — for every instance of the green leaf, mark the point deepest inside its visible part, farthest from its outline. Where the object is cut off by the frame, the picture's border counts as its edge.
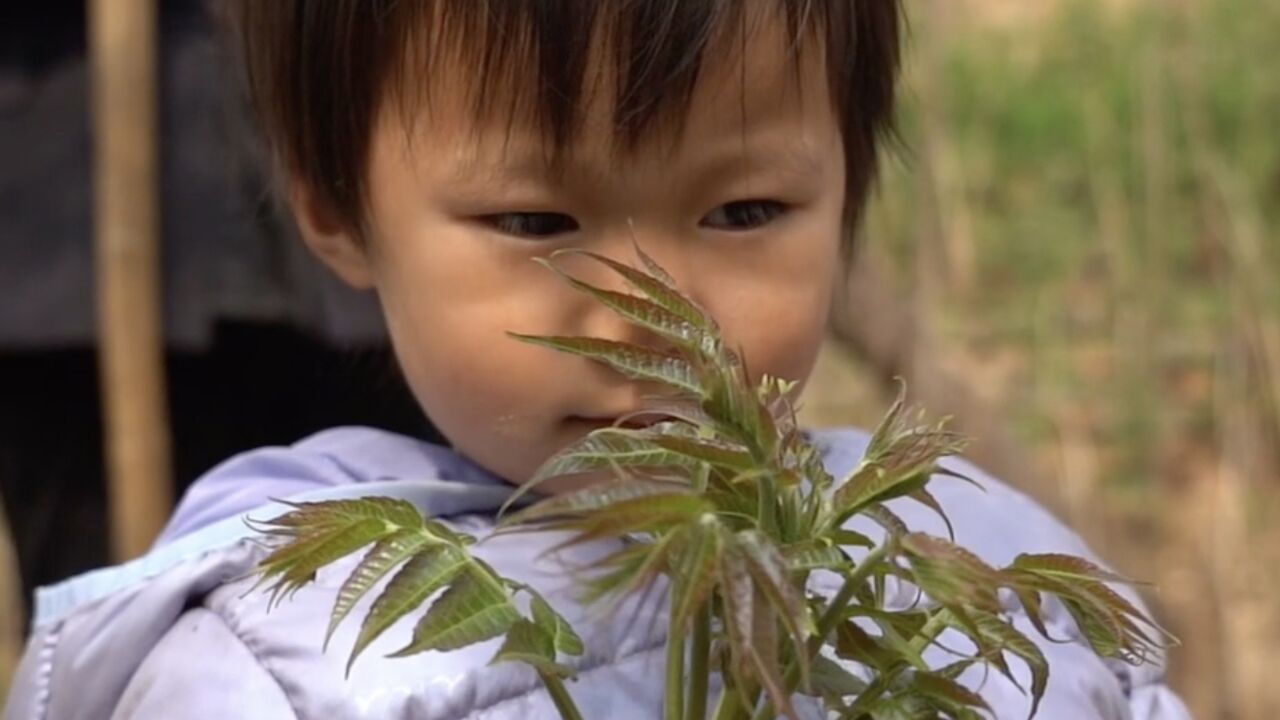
(649, 514)
(631, 568)
(854, 643)
(424, 574)
(947, 694)
(1066, 567)
(845, 537)
(769, 570)
(639, 311)
(737, 411)
(950, 574)
(591, 499)
(310, 517)
(295, 564)
(994, 637)
(730, 456)
(808, 555)
(695, 557)
(1112, 625)
(387, 554)
(634, 361)
(830, 681)
(893, 525)
(474, 608)
(874, 484)
(762, 652)
(563, 638)
(926, 498)
(529, 643)
(656, 287)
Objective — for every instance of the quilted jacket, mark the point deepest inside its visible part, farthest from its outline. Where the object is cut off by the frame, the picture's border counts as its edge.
(177, 634)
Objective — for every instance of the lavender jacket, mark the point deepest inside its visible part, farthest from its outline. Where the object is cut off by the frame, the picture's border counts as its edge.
(176, 634)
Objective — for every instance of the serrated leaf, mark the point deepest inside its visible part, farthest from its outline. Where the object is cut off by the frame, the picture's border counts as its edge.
(811, 555)
(1066, 567)
(634, 361)
(639, 311)
(419, 578)
(736, 410)
(845, 537)
(947, 693)
(563, 638)
(856, 644)
(474, 608)
(893, 525)
(874, 484)
(607, 449)
(308, 517)
(1030, 600)
(694, 565)
(996, 636)
(769, 570)
(890, 424)
(653, 268)
(738, 596)
(652, 513)
(590, 499)
(1112, 625)
(529, 643)
(830, 681)
(926, 498)
(950, 574)
(295, 564)
(387, 554)
(656, 289)
(719, 454)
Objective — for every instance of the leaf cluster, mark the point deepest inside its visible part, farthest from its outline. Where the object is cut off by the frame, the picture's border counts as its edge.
(725, 501)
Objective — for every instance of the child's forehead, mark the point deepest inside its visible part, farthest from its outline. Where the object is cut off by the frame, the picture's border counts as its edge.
(700, 71)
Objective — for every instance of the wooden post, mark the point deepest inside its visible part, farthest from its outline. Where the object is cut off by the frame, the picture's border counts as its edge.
(122, 43)
(11, 612)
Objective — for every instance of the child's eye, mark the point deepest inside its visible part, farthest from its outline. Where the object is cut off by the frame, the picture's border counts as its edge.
(743, 214)
(531, 224)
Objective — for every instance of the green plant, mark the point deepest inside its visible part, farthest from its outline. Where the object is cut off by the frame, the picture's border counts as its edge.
(728, 503)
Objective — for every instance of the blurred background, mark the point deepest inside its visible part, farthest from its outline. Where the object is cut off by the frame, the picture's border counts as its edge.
(1074, 251)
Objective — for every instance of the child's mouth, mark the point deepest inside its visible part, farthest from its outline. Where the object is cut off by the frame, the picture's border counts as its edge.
(630, 421)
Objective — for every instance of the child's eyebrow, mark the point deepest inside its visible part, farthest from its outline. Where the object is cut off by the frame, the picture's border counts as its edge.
(717, 162)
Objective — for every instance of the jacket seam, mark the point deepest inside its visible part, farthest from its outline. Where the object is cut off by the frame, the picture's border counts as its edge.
(44, 673)
(258, 658)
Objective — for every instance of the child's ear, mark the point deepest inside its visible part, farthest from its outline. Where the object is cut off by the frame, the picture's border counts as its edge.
(329, 238)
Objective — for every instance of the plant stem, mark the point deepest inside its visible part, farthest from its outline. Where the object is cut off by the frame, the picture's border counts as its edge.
(560, 696)
(836, 607)
(827, 623)
(936, 623)
(700, 666)
(673, 706)
(731, 706)
(728, 707)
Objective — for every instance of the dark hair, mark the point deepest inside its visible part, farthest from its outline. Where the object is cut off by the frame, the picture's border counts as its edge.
(318, 71)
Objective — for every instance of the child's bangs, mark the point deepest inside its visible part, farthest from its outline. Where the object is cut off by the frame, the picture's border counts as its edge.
(540, 61)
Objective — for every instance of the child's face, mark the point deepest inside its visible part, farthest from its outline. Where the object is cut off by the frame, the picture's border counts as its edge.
(744, 209)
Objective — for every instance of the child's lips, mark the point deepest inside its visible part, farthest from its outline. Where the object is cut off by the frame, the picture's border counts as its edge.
(630, 421)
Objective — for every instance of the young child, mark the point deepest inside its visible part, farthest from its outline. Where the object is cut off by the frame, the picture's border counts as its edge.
(431, 151)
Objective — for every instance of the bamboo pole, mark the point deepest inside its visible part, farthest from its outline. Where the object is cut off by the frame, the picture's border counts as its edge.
(122, 40)
(11, 611)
